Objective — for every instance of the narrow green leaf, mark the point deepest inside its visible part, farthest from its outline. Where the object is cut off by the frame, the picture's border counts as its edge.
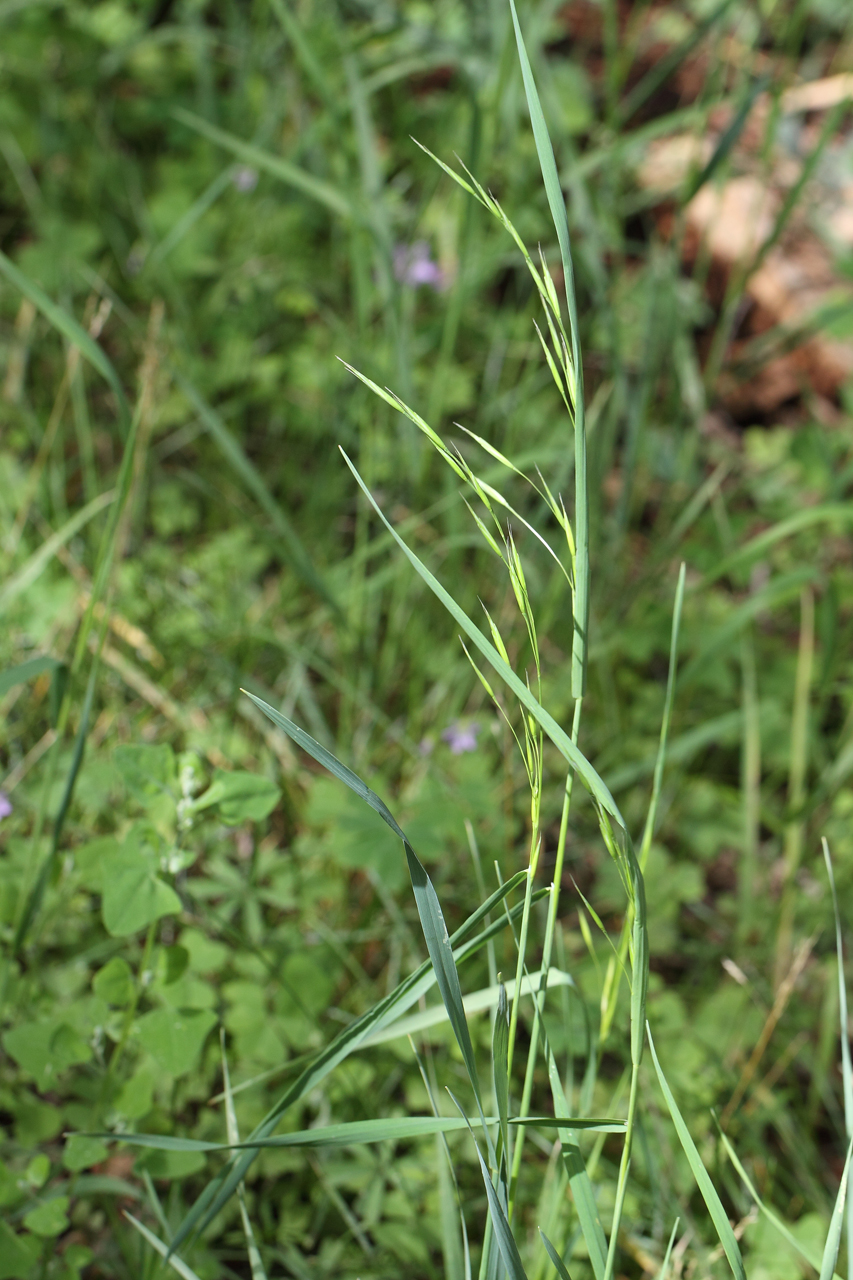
(836, 1223)
(255, 1261)
(651, 818)
(500, 1224)
(70, 329)
(40, 559)
(668, 1254)
(356, 1133)
(559, 1266)
(557, 205)
(700, 1173)
(474, 1002)
(248, 473)
(558, 736)
(728, 139)
(827, 512)
(846, 1070)
(426, 899)
(322, 192)
(777, 1222)
(500, 1050)
(176, 1263)
(579, 1180)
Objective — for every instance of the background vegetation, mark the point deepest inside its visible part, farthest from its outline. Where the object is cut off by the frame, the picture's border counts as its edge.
(226, 197)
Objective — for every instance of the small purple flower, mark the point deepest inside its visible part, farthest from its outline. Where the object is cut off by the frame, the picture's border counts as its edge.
(5, 805)
(461, 737)
(413, 266)
(245, 178)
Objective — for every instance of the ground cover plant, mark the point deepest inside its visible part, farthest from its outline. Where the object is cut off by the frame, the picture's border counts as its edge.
(208, 930)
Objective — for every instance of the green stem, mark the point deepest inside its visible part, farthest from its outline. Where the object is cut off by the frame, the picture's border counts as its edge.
(130, 1014)
(546, 964)
(624, 1167)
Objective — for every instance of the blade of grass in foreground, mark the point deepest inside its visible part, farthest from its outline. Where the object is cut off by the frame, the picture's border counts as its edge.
(846, 1069)
(836, 1224)
(771, 1217)
(355, 1133)
(426, 899)
(255, 1261)
(500, 1225)
(561, 740)
(700, 1173)
(559, 1265)
(176, 1263)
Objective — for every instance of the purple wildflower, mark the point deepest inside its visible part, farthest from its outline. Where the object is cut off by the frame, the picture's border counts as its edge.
(461, 737)
(5, 805)
(245, 178)
(413, 266)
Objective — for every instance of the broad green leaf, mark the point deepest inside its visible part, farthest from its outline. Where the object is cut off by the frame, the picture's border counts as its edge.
(45, 1049)
(134, 897)
(18, 1254)
(174, 1037)
(90, 860)
(48, 1219)
(148, 770)
(81, 1152)
(114, 983)
(718, 1214)
(240, 796)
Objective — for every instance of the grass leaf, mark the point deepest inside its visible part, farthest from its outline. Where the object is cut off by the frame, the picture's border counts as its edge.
(700, 1173)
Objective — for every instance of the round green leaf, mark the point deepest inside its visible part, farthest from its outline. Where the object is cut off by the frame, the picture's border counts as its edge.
(174, 1037)
(82, 1153)
(48, 1219)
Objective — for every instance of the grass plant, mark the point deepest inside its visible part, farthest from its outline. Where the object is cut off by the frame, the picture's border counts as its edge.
(181, 854)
